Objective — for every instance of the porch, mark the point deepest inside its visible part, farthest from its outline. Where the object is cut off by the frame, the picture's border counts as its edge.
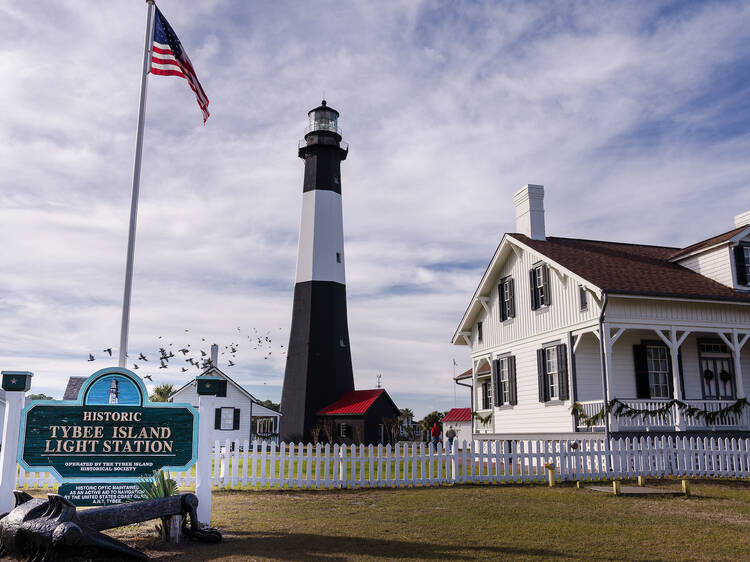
(665, 416)
(663, 378)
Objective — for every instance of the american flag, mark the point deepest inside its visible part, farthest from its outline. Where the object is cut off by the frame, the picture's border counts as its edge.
(170, 59)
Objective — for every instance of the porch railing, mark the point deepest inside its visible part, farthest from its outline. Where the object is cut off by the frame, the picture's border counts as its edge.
(669, 419)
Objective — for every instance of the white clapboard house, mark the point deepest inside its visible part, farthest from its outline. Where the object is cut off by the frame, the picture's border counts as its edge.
(556, 321)
(237, 414)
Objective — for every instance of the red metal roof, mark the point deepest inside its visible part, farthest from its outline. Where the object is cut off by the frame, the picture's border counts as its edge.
(458, 415)
(353, 402)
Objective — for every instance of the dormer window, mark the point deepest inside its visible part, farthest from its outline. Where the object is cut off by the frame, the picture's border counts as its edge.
(583, 298)
(742, 263)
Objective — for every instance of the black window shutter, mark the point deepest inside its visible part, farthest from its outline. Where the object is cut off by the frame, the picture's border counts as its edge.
(532, 283)
(545, 276)
(501, 296)
(512, 300)
(739, 265)
(562, 370)
(222, 391)
(236, 422)
(217, 419)
(498, 391)
(642, 386)
(513, 394)
(543, 392)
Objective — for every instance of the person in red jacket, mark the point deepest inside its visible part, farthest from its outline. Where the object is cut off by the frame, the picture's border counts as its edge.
(435, 432)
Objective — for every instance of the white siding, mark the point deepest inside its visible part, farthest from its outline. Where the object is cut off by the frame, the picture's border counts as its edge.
(563, 312)
(234, 399)
(678, 312)
(589, 369)
(715, 264)
(463, 432)
(530, 415)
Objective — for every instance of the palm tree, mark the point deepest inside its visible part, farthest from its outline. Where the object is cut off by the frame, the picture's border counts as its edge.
(161, 393)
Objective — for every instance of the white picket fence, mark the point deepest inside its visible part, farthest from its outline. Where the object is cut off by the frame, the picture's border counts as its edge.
(266, 464)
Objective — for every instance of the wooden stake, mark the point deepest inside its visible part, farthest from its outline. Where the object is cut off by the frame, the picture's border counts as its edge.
(641, 481)
(616, 487)
(686, 487)
(551, 476)
(578, 484)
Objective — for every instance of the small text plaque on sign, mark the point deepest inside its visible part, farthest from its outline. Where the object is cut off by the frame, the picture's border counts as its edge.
(111, 432)
(97, 494)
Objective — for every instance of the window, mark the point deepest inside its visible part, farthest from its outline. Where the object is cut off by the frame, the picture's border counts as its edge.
(553, 384)
(658, 371)
(742, 264)
(227, 419)
(583, 297)
(344, 430)
(507, 299)
(486, 395)
(653, 370)
(479, 332)
(539, 282)
(505, 390)
(552, 364)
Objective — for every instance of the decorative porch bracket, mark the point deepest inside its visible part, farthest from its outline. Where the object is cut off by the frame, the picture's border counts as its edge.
(673, 343)
(484, 302)
(735, 344)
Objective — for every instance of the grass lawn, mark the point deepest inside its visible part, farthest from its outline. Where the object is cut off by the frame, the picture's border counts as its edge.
(472, 522)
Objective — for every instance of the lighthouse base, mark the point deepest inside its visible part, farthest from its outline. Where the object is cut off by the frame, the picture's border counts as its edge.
(319, 362)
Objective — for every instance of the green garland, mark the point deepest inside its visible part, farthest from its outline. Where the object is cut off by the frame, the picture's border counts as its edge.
(619, 409)
(484, 420)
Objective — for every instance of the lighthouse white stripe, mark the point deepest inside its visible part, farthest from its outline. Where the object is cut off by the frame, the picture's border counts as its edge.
(321, 237)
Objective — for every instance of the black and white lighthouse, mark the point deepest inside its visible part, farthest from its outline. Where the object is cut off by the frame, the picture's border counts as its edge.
(319, 362)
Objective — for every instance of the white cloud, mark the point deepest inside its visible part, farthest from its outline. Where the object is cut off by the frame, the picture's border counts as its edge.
(625, 113)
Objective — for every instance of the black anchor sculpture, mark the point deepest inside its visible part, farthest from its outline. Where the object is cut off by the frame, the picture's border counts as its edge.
(52, 529)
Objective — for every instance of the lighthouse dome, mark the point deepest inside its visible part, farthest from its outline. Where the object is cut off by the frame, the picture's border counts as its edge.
(323, 118)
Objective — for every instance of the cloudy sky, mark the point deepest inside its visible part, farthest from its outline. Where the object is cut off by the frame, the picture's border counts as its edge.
(635, 117)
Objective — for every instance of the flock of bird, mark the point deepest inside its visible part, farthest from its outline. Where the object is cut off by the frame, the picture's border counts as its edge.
(200, 359)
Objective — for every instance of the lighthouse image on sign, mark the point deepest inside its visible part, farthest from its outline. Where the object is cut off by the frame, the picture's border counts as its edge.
(319, 362)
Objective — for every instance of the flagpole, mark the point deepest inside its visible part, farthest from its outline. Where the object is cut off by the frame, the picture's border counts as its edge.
(136, 185)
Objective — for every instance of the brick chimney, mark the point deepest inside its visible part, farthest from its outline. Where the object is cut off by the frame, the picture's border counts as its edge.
(529, 202)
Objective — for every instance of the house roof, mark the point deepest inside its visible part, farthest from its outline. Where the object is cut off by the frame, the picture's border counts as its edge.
(458, 415)
(73, 388)
(467, 374)
(633, 269)
(354, 402)
(709, 242)
(614, 267)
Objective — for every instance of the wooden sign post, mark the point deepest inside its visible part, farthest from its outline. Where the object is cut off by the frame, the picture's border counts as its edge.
(15, 384)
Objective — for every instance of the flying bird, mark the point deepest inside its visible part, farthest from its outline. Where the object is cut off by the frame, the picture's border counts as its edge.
(91, 357)
(142, 357)
(184, 351)
(108, 350)
(231, 364)
(148, 377)
(135, 366)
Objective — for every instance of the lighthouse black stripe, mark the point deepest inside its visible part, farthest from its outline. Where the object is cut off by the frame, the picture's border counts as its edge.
(319, 363)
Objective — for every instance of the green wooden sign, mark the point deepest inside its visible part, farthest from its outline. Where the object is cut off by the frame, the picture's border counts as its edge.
(111, 432)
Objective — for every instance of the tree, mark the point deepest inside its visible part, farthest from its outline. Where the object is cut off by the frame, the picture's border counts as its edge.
(270, 405)
(161, 393)
(39, 397)
(430, 419)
